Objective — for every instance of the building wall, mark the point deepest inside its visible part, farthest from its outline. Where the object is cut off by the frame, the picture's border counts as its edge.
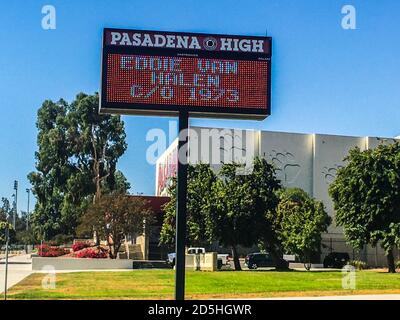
(217, 146)
(292, 155)
(328, 155)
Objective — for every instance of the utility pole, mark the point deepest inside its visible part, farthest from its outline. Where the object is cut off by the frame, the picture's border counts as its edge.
(16, 201)
(27, 211)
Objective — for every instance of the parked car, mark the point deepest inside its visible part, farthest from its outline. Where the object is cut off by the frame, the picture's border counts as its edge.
(222, 258)
(260, 260)
(336, 260)
(171, 258)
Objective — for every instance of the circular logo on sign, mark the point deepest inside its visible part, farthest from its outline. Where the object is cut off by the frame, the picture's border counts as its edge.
(210, 43)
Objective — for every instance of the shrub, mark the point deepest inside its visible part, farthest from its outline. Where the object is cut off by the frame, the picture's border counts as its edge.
(51, 251)
(61, 239)
(94, 253)
(398, 264)
(358, 264)
(77, 246)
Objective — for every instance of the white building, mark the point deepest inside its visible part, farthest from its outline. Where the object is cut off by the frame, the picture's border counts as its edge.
(307, 161)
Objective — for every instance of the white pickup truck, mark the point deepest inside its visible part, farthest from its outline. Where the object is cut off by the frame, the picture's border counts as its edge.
(222, 258)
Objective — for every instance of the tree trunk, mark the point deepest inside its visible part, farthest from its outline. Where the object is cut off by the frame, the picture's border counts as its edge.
(235, 257)
(96, 238)
(307, 261)
(390, 260)
(277, 257)
(116, 250)
(96, 167)
(110, 250)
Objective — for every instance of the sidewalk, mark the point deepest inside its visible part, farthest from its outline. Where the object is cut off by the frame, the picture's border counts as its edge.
(18, 269)
(17, 259)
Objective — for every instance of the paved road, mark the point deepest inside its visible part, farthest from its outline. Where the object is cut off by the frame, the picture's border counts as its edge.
(18, 269)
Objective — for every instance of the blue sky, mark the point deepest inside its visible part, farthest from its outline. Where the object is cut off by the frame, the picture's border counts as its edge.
(325, 79)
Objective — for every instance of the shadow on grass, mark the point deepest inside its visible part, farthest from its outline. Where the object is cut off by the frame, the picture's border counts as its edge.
(280, 271)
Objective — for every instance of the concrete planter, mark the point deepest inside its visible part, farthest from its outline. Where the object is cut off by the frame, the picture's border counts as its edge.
(42, 263)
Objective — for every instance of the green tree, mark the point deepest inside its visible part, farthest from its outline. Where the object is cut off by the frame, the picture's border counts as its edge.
(232, 208)
(366, 197)
(23, 235)
(242, 206)
(5, 210)
(115, 216)
(52, 168)
(97, 141)
(3, 231)
(118, 183)
(265, 185)
(26, 237)
(5, 216)
(78, 150)
(300, 222)
(199, 232)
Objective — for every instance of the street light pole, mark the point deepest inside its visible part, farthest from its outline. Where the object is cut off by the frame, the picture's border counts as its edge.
(16, 203)
(27, 212)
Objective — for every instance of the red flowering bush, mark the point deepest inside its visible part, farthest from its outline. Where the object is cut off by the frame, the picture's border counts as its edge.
(94, 253)
(51, 251)
(77, 246)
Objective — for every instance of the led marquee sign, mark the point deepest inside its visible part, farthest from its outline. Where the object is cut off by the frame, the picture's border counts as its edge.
(160, 73)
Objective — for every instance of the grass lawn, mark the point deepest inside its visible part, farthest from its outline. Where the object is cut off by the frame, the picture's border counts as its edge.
(159, 284)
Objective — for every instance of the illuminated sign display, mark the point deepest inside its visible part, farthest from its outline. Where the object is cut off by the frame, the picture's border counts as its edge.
(160, 73)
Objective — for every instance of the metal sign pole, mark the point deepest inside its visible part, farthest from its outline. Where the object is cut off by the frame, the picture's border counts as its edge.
(6, 265)
(181, 205)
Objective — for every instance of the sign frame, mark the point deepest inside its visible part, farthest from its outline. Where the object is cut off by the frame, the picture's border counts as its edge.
(172, 110)
(184, 113)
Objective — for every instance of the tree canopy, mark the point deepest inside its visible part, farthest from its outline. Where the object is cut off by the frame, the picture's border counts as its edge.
(243, 204)
(199, 189)
(228, 207)
(114, 216)
(300, 220)
(78, 150)
(366, 196)
(5, 216)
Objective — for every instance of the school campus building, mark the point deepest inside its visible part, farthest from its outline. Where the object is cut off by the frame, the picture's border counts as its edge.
(306, 161)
